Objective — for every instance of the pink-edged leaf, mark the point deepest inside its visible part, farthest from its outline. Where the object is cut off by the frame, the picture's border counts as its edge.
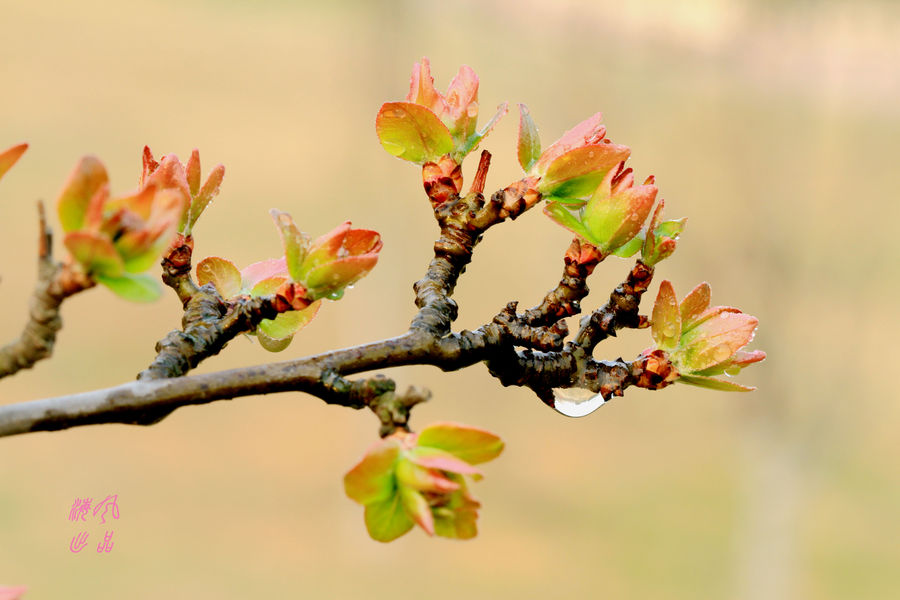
(222, 273)
(296, 243)
(423, 479)
(12, 592)
(386, 520)
(714, 384)
(264, 269)
(337, 275)
(694, 304)
(170, 175)
(9, 157)
(412, 132)
(416, 506)
(734, 365)
(473, 140)
(421, 89)
(372, 479)
(95, 253)
(666, 319)
(529, 144)
(289, 323)
(268, 286)
(206, 194)
(470, 444)
(132, 287)
(589, 132)
(616, 211)
(149, 165)
(88, 176)
(579, 171)
(462, 103)
(192, 172)
(434, 458)
(715, 340)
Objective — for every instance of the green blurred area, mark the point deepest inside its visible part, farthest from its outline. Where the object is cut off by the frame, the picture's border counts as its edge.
(773, 126)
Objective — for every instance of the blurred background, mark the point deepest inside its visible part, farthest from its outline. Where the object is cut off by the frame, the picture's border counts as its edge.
(774, 126)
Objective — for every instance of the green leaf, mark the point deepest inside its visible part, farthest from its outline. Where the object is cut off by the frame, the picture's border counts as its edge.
(714, 384)
(475, 139)
(289, 323)
(529, 145)
(222, 273)
(83, 182)
(272, 344)
(631, 248)
(296, 243)
(578, 172)
(387, 520)
(470, 444)
(567, 219)
(416, 506)
(95, 253)
(412, 132)
(136, 288)
(372, 479)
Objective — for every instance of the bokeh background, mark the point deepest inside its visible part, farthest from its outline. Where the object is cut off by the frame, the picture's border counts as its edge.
(774, 126)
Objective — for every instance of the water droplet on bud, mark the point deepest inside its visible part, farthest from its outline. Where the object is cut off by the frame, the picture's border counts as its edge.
(335, 295)
(576, 402)
(721, 352)
(669, 330)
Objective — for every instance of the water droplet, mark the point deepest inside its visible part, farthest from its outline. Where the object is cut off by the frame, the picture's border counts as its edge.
(669, 330)
(398, 114)
(721, 352)
(336, 295)
(472, 110)
(576, 402)
(732, 371)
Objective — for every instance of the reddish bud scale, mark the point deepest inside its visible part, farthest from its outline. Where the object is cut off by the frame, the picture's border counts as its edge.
(291, 295)
(442, 179)
(520, 196)
(178, 256)
(653, 370)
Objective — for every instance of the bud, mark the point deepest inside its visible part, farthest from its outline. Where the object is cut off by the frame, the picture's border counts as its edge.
(424, 475)
(702, 341)
(613, 215)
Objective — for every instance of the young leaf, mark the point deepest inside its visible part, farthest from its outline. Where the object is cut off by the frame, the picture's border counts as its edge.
(579, 171)
(9, 157)
(434, 458)
(83, 182)
(529, 145)
(222, 273)
(95, 253)
(714, 384)
(372, 479)
(470, 444)
(296, 243)
(136, 288)
(289, 323)
(666, 318)
(412, 132)
(387, 520)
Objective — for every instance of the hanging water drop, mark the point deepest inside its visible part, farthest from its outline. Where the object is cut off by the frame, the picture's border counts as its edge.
(576, 402)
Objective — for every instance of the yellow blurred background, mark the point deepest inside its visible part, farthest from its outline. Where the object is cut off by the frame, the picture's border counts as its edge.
(773, 126)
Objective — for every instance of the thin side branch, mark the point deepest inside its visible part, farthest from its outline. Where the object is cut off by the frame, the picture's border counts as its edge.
(55, 283)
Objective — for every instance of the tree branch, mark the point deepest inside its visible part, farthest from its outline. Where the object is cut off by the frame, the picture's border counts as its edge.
(55, 283)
